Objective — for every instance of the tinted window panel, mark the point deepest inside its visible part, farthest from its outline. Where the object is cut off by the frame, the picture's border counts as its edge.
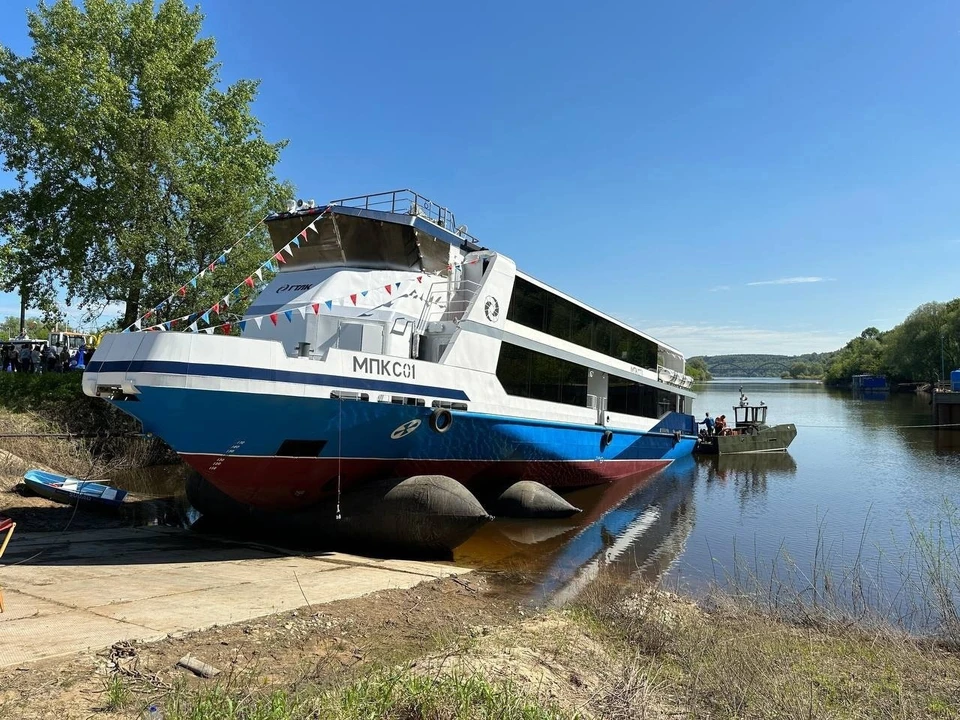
(526, 373)
(541, 310)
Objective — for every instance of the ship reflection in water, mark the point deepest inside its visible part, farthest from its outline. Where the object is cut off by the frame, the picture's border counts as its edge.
(747, 473)
(629, 531)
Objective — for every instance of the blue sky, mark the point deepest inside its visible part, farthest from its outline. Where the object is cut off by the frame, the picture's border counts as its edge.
(750, 177)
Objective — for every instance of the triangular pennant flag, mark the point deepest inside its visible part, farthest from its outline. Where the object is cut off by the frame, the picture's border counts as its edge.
(302, 310)
(167, 325)
(274, 267)
(226, 301)
(259, 274)
(279, 258)
(182, 291)
(236, 290)
(312, 226)
(248, 282)
(289, 315)
(193, 283)
(206, 317)
(389, 289)
(329, 304)
(295, 242)
(208, 331)
(216, 308)
(397, 285)
(222, 260)
(202, 273)
(354, 298)
(303, 234)
(211, 266)
(257, 321)
(419, 278)
(147, 314)
(268, 265)
(226, 328)
(273, 318)
(316, 308)
(173, 323)
(193, 327)
(242, 325)
(287, 249)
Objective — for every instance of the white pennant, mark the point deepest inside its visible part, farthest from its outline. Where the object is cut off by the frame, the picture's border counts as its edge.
(226, 300)
(287, 249)
(302, 310)
(208, 331)
(193, 327)
(312, 226)
(258, 320)
(259, 274)
(137, 325)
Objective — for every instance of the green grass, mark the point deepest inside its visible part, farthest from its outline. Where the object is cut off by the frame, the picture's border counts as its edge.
(117, 693)
(400, 695)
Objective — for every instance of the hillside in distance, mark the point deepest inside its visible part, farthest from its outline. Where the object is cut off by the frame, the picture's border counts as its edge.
(810, 365)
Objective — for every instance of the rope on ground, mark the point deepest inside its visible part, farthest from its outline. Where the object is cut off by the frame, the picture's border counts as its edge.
(71, 436)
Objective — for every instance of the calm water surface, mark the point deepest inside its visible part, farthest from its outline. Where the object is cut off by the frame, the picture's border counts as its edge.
(849, 486)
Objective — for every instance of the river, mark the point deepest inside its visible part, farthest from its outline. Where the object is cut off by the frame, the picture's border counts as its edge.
(846, 499)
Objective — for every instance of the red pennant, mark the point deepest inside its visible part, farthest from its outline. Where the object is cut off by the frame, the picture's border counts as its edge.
(216, 308)
(212, 266)
(389, 289)
(279, 258)
(419, 278)
(174, 322)
(248, 282)
(273, 318)
(316, 308)
(226, 328)
(182, 291)
(148, 314)
(303, 235)
(354, 298)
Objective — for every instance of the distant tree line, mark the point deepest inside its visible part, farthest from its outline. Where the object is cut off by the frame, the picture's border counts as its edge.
(924, 347)
(810, 365)
(697, 369)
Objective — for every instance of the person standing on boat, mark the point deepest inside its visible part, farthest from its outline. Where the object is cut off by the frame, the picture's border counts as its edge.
(708, 421)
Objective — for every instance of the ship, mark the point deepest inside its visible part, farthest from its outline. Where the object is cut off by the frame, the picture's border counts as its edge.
(390, 343)
(750, 433)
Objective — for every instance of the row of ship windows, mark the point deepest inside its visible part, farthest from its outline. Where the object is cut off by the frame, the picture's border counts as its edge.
(530, 374)
(540, 309)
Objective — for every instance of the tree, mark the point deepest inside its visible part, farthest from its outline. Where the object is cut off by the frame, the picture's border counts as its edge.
(697, 369)
(134, 170)
(35, 327)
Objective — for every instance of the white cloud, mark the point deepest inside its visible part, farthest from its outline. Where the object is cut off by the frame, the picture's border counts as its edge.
(703, 339)
(720, 288)
(791, 281)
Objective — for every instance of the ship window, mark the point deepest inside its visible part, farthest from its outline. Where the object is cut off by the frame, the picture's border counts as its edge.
(301, 448)
(526, 373)
(633, 398)
(542, 310)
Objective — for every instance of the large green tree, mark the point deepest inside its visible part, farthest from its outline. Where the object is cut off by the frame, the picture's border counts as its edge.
(135, 167)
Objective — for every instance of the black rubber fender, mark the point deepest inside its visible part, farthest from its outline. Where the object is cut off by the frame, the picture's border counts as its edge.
(441, 420)
(607, 438)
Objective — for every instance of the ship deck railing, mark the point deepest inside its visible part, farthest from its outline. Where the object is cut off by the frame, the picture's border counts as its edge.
(446, 301)
(409, 202)
(672, 377)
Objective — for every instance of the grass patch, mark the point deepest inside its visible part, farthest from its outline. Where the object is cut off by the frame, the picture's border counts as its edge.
(398, 695)
(117, 693)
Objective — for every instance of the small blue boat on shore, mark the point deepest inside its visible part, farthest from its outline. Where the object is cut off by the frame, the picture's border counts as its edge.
(72, 491)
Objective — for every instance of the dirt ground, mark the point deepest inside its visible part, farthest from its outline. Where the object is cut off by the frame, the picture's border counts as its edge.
(322, 645)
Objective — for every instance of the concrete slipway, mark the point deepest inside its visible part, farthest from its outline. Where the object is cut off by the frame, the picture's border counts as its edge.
(85, 590)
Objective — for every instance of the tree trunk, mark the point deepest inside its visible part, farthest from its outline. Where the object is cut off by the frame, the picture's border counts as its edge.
(131, 311)
(23, 308)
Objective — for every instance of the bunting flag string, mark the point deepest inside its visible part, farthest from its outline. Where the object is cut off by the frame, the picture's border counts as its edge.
(181, 292)
(194, 319)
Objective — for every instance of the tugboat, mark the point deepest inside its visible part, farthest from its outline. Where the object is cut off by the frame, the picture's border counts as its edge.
(750, 433)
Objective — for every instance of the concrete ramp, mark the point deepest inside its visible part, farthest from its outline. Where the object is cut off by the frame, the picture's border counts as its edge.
(85, 590)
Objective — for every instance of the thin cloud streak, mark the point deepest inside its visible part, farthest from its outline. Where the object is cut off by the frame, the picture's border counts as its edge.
(720, 288)
(702, 339)
(790, 281)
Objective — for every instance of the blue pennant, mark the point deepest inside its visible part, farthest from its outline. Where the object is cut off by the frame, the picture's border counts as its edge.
(289, 315)
(236, 292)
(222, 259)
(193, 283)
(242, 325)
(166, 325)
(329, 304)
(364, 293)
(206, 317)
(296, 241)
(398, 284)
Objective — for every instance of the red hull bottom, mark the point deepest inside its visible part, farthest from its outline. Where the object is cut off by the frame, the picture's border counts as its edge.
(286, 483)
